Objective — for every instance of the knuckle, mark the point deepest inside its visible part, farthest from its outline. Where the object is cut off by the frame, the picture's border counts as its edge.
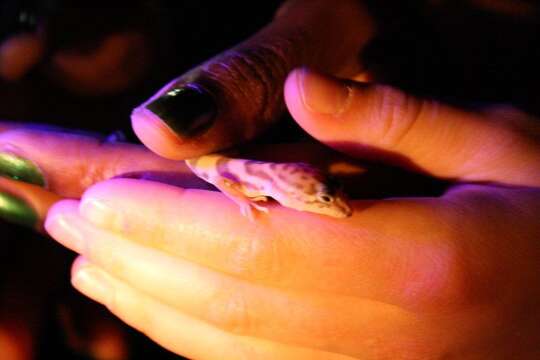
(443, 274)
(258, 259)
(252, 74)
(394, 115)
(229, 311)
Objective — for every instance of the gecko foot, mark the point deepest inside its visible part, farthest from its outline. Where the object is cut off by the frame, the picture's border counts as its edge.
(261, 208)
(247, 210)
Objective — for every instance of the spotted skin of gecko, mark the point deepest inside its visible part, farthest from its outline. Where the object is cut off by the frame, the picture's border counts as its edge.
(295, 185)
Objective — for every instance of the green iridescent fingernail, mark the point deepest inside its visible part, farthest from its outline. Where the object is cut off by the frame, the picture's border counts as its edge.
(17, 211)
(18, 168)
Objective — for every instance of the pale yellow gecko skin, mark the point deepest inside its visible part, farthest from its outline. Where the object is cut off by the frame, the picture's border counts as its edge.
(294, 185)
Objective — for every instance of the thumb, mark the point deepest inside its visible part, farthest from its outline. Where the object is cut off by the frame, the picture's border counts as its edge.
(379, 121)
(238, 94)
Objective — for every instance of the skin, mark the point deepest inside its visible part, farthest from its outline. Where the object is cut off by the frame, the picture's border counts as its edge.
(423, 277)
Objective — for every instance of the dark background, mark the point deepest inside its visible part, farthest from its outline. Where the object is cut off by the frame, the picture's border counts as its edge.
(448, 50)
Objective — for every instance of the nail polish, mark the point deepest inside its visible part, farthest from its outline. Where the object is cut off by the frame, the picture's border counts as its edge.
(188, 111)
(17, 211)
(21, 169)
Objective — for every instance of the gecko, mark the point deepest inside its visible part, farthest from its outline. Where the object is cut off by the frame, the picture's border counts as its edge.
(298, 186)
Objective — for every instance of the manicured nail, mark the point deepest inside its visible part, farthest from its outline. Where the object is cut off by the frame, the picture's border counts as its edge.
(17, 211)
(18, 168)
(188, 111)
(322, 94)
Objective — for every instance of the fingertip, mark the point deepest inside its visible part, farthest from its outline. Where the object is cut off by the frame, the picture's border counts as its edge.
(62, 225)
(317, 101)
(293, 98)
(155, 135)
(60, 208)
(78, 264)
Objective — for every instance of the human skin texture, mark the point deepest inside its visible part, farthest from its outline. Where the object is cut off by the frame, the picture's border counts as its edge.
(408, 278)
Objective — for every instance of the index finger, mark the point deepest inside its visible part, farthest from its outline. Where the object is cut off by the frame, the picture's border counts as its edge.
(68, 162)
(364, 255)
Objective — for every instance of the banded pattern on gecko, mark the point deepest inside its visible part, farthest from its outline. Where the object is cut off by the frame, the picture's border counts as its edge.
(294, 185)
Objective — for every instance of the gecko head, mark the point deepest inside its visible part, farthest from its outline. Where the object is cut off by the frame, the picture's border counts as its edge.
(331, 200)
(319, 194)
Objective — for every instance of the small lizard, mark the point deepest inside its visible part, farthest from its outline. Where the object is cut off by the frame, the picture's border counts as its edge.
(295, 185)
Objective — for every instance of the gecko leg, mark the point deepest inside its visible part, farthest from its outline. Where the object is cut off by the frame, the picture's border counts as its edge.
(233, 191)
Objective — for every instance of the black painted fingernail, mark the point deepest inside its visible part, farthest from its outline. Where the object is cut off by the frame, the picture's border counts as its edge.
(188, 111)
(17, 211)
(18, 168)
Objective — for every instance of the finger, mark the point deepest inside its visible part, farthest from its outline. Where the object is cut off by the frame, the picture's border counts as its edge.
(286, 247)
(24, 204)
(441, 140)
(175, 330)
(9, 125)
(237, 94)
(225, 302)
(67, 163)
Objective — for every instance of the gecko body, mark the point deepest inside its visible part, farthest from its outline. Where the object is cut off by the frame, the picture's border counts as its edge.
(294, 185)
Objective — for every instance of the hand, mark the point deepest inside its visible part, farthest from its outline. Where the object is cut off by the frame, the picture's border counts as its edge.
(49, 166)
(236, 95)
(423, 277)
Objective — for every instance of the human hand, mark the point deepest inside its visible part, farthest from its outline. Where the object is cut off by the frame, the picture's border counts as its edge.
(411, 277)
(237, 94)
(38, 168)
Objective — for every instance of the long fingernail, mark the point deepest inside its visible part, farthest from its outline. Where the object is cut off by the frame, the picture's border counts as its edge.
(322, 94)
(18, 168)
(188, 111)
(17, 211)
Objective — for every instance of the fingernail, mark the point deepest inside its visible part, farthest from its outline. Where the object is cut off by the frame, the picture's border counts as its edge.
(188, 111)
(322, 94)
(17, 211)
(91, 282)
(65, 231)
(18, 168)
(99, 213)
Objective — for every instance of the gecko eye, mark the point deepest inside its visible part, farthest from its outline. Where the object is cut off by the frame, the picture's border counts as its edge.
(325, 198)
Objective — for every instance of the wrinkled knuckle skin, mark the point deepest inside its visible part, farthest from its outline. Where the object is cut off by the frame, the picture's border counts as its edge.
(258, 259)
(393, 115)
(230, 312)
(247, 81)
(252, 80)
